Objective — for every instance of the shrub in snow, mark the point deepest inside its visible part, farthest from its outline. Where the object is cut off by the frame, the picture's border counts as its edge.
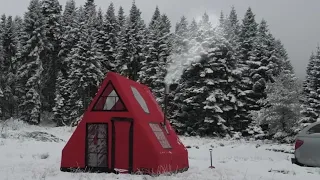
(44, 156)
(42, 136)
(41, 156)
(282, 106)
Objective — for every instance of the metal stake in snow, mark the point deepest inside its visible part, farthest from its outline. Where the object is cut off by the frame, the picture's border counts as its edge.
(211, 159)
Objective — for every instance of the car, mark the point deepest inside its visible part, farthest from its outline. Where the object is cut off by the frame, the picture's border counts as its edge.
(307, 146)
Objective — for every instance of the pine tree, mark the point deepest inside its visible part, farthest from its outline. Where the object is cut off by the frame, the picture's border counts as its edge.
(121, 32)
(193, 28)
(70, 23)
(221, 105)
(311, 103)
(259, 62)
(232, 26)
(2, 67)
(31, 58)
(181, 29)
(121, 19)
(70, 30)
(9, 42)
(51, 10)
(187, 104)
(231, 30)
(205, 29)
(181, 36)
(60, 109)
(283, 62)
(180, 42)
(85, 64)
(153, 69)
(244, 49)
(109, 39)
(132, 45)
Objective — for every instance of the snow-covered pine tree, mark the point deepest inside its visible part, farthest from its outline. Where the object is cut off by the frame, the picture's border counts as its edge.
(222, 21)
(121, 41)
(60, 110)
(260, 67)
(70, 29)
(230, 30)
(283, 62)
(9, 44)
(282, 113)
(193, 28)
(2, 68)
(18, 25)
(188, 107)
(1, 105)
(100, 36)
(16, 86)
(31, 58)
(181, 34)
(221, 105)
(311, 90)
(84, 64)
(109, 39)
(51, 10)
(121, 19)
(154, 23)
(180, 48)
(247, 36)
(70, 36)
(132, 45)
(153, 69)
(205, 29)
(232, 24)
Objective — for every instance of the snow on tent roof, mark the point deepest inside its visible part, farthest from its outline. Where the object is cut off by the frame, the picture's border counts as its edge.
(140, 99)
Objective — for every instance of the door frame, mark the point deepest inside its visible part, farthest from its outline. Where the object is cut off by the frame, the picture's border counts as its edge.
(95, 169)
(113, 142)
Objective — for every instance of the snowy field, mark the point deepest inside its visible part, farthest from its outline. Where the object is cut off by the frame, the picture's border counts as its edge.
(26, 155)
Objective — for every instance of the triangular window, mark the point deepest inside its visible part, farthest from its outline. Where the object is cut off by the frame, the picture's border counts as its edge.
(109, 100)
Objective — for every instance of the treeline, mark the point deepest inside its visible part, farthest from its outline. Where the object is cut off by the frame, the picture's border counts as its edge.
(52, 61)
(242, 85)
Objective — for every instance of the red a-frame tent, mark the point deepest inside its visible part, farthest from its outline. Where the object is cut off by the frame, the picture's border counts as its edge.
(122, 131)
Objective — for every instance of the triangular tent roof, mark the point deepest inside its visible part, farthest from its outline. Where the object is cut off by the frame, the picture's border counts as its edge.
(118, 93)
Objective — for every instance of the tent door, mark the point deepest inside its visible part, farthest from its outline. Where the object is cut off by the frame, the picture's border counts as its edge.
(97, 146)
(122, 145)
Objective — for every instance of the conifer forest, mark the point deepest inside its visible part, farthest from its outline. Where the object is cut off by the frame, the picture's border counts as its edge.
(240, 82)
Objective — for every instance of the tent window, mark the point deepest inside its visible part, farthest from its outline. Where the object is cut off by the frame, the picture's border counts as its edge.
(160, 135)
(109, 101)
(140, 99)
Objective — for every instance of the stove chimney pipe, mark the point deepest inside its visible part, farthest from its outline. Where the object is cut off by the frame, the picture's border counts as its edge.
(166, 93)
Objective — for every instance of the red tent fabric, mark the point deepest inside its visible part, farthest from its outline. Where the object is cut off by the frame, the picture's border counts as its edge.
(122, 131)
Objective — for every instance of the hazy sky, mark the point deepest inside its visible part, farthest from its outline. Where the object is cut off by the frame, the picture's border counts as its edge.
(295, 22)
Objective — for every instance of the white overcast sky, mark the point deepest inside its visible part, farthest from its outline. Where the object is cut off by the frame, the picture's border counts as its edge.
(295, 22)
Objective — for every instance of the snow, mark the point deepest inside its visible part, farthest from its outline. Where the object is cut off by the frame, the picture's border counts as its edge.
(27, 158)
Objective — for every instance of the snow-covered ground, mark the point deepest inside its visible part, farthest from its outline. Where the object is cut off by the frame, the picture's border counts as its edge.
(24, 156)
